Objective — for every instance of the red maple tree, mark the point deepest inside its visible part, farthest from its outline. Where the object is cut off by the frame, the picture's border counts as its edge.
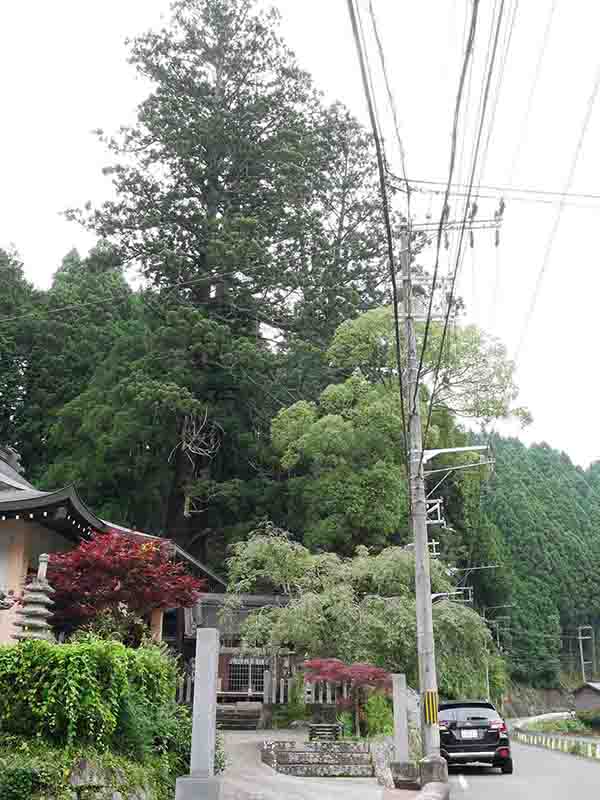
(360, 676)
(113, 570)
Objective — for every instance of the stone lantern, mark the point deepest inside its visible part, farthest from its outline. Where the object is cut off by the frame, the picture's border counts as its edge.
(32, 619)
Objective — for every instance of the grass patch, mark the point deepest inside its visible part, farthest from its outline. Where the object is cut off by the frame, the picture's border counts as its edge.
(571, 726)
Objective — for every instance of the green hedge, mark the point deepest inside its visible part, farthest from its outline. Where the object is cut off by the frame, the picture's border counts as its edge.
(96, 700)
(87, 692)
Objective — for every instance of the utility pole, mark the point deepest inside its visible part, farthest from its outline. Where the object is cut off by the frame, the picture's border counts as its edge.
(425, 642)
(583, 639)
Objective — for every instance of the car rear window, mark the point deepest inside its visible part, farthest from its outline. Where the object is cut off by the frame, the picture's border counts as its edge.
(467, 713)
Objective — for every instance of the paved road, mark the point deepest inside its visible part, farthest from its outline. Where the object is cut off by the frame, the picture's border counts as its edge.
(249, 779)
(539, 775)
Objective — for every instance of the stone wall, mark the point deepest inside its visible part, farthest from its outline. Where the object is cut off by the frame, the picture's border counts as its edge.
(523, 701)
(90, 783)
(319, 759)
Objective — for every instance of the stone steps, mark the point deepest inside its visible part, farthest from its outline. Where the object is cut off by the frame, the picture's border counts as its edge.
(292, 757)
(319, 759)
(235, 719)
(326, 770)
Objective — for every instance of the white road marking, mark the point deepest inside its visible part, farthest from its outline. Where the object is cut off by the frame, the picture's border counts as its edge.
(463, 782)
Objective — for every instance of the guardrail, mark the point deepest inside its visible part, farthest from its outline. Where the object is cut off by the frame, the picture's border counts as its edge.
(563, 744)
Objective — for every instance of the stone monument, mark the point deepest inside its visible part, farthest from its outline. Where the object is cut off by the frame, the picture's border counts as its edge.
(201, 783)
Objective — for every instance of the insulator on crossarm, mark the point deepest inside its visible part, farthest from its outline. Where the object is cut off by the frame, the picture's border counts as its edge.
(446, 240)
(471, 239)
(497, 238)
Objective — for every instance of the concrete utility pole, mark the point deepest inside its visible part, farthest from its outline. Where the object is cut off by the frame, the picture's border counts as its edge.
(583, 639)
(425, 642)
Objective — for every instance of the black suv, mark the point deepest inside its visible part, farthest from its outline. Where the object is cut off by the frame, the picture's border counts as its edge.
(474, 733)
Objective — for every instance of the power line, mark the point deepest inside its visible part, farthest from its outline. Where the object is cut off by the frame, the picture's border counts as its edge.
(381, 166)
(467, 57)
(558, 217)
(461, 237)
(532, 91)
(507, 190)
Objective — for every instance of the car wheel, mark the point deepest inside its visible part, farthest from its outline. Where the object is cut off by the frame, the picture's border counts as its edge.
(507, 767)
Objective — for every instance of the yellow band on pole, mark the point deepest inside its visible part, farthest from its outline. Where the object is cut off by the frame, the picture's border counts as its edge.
(430, 700)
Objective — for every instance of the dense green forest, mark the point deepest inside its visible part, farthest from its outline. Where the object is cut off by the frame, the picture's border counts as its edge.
(253, 375)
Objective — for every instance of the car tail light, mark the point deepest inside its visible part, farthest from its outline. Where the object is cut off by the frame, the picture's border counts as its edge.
(504, 752)
(498, 725)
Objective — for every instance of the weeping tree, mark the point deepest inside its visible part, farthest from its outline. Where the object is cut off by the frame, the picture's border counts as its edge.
(358, 610)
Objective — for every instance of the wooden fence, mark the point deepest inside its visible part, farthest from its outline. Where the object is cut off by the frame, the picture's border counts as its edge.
(276, 691)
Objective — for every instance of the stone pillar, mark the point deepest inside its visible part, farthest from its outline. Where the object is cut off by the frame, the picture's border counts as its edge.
(405, 773)
(400, 718)
(156, 624)
(32, 619)
(267, 687)
(202, 784)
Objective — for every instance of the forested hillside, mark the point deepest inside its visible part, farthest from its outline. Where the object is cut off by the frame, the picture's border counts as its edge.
(546, 510)
(254, 375)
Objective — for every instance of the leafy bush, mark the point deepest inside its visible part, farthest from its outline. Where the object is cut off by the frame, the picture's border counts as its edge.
(346, 720)
(32, 768)
(295, 709)
(379, 715)
(570, 725)
(115, 625)
(95, 701)
(84, 692)
(591, 719)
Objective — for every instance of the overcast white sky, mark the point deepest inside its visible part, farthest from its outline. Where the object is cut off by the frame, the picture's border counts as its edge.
(64, 73)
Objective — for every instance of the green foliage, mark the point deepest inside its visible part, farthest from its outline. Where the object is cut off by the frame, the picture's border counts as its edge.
(33, 769)
(295, 709)
(591, 719)
(344, 463)
(97, 702)
(81, 692)
(563, 726)
(545, 511)
(116, 625)
(379, 715)
(346, 720)
(360, 609)
(476, 378)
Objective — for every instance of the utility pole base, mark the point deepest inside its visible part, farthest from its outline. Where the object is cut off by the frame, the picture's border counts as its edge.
(405, 775)
(434, 769)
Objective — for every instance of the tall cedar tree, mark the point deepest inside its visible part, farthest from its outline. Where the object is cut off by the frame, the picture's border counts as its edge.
(16, 303)
(239, 194)
(70, 332)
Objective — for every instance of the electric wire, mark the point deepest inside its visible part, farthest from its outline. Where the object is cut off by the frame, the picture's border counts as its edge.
(461, 235)
(532, 92)
(466, 59)
(505, 190)
(381, 166)
(550, 242)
